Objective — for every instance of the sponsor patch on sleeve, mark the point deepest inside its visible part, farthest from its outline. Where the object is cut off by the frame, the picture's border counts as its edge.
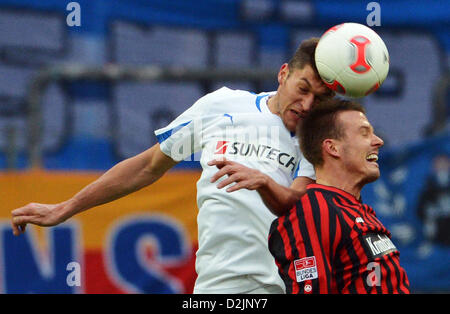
(379, 244)
(306, 268)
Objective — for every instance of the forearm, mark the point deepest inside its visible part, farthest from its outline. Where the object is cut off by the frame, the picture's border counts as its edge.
(120, 180)
(124, 178)
(279, 199)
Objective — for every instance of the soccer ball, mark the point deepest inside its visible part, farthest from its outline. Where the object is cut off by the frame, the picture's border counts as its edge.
(352, 59)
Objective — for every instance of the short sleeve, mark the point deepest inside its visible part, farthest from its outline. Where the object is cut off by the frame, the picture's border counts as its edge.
(304, 169)
(183, 136)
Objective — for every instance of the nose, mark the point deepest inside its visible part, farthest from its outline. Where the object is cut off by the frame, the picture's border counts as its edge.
(378, 141)
(308, 102)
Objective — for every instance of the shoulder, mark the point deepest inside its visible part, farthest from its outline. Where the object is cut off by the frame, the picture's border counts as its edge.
(279, 222)
(225, 93)
(225, 99)
(316, 202)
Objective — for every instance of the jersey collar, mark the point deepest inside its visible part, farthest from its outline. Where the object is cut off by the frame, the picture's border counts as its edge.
(261, 102)
(343, 193)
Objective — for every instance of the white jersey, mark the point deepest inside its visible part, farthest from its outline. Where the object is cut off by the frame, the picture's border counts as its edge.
(233, 228)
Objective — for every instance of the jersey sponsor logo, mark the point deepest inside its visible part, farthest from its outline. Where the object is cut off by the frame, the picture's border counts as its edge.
(379, 244)
(306, 268)
(256, 151)
(221, 147)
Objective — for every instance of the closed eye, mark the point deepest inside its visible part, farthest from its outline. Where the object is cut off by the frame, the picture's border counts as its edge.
(365, 130)
(304, 91)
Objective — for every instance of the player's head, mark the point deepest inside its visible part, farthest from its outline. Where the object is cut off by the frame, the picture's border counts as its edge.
(300, 86)
(337, 132)
(305, 55)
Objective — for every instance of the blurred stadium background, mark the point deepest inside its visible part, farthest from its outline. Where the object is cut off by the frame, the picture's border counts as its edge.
(76, 100)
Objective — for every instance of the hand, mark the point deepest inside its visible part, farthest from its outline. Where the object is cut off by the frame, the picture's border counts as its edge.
(244, 177)
(38, 214)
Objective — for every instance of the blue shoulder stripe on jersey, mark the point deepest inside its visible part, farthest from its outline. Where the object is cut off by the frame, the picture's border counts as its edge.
(164, 136)
(229, 116)
(258, 101)
(295, 174)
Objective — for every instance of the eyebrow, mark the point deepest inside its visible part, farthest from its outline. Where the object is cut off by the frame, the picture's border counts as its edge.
(328, 93)
(307, 82)
(368, 127)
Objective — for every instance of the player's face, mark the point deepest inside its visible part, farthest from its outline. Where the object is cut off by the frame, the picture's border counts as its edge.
(299, 90)
(359, 146)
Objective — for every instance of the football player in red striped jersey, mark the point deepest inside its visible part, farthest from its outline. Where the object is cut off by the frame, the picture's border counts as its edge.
(331, 242)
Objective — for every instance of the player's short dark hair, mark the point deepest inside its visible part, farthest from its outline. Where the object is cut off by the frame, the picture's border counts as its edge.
(321, 124)
(305, 55)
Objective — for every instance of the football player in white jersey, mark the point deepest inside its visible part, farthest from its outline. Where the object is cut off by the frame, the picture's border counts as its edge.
(256, 130)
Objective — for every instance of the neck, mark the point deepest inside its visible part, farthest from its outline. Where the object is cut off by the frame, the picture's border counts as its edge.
(272, 104)
(337, 177)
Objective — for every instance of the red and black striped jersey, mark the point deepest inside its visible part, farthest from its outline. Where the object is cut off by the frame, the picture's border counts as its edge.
(329, 242)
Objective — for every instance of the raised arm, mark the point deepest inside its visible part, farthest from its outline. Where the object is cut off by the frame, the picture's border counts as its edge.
(124, 178)
(279, 199)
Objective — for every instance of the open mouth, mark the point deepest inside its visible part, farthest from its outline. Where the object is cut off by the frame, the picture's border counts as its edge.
(298, 114)
(372, 157)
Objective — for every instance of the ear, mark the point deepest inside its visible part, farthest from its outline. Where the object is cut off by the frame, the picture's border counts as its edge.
(283, 73)
(331, 147)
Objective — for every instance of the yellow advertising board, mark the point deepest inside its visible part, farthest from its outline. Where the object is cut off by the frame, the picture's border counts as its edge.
(144, 242)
